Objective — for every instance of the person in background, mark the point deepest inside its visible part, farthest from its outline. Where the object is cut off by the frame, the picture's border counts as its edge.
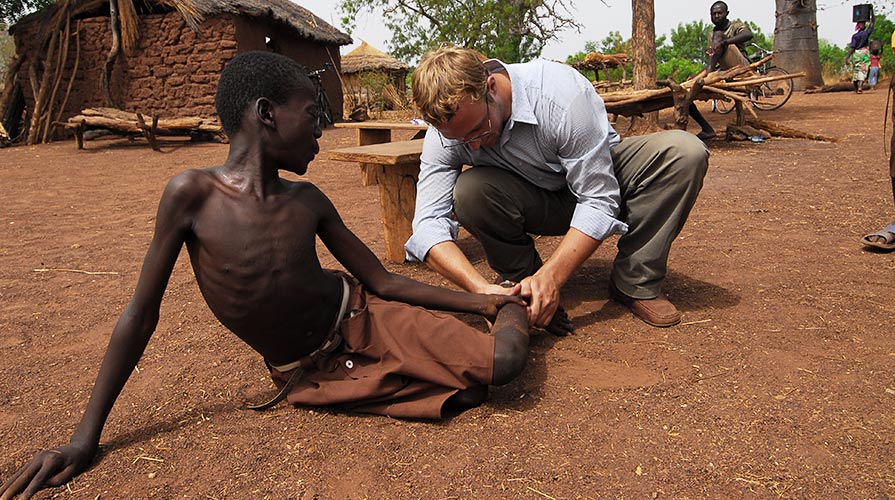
(857, 57)
(876, 51)
(725, 34)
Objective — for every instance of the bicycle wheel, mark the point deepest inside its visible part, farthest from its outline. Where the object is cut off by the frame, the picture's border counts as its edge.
(722, 106)
(772, 95)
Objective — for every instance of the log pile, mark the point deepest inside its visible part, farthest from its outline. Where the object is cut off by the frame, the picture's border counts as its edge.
(843, 86)
(596, 62)
(732, 83)
(134, 124)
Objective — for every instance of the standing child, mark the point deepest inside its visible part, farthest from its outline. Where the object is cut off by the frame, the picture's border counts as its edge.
(876, 50)
(328, 338)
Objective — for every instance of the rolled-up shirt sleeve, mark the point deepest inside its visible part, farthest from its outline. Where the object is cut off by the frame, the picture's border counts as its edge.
(586, 139)
(432, 222)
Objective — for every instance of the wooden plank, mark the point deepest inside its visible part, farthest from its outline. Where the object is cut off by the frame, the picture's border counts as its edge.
(382, 125)
(389, 153)
(365, 137)
(397, 201)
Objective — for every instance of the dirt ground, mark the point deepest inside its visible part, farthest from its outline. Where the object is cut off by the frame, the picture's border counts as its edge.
(779, 381)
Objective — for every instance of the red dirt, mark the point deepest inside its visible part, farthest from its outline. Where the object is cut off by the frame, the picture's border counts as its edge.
(779, 382)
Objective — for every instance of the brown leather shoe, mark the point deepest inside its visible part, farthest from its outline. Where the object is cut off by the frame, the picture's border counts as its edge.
(658, 311)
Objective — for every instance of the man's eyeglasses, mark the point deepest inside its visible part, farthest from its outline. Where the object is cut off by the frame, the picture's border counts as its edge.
(478, 138)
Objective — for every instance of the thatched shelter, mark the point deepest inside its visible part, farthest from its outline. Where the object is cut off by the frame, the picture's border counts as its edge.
(162, 58)
(371, 78)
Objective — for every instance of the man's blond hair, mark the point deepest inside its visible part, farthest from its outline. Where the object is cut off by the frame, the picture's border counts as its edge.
(443, 78)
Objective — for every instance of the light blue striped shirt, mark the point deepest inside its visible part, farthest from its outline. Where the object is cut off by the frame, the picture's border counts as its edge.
(558, 135)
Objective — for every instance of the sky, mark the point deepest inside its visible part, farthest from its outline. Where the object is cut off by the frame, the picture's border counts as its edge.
(598, 18)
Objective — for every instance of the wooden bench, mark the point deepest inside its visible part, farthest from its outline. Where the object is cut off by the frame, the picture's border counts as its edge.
(378, 133)
(396, 167)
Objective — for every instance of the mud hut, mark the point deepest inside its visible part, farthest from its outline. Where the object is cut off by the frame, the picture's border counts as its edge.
(372, 79)
(162, 58)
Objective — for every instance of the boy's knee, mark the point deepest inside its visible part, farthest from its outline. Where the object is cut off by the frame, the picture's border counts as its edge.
(509, 361)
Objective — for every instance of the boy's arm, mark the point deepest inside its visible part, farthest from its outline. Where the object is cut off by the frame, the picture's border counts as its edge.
(57, 466)
(357, 258)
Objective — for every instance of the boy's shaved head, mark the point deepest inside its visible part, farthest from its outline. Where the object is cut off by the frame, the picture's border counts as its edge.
(252, 75)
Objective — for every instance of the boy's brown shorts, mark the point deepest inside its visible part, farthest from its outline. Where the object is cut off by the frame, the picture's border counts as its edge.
(397, 360)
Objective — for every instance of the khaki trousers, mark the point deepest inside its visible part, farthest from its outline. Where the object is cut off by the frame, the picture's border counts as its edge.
(659, 175)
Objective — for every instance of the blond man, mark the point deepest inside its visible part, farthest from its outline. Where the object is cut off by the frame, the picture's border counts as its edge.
(545, 161)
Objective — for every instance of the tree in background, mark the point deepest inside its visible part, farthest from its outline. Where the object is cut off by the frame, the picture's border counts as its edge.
(795, 41)
(643, 55)
(7, 51)
(511, 30)
(13, 10)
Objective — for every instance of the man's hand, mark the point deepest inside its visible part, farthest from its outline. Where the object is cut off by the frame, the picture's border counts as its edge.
(543, 299)
(49, 468)
(499, 296)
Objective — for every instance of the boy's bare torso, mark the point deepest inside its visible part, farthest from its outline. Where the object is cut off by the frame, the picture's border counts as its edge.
(256, 264)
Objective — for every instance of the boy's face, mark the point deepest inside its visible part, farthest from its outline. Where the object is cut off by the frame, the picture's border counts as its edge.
(298, 128)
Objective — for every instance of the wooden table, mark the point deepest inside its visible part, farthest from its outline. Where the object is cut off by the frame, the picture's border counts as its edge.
(396, 167)
(378, 133)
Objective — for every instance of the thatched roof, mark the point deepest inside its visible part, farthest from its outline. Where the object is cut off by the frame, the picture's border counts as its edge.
(284, 12)
(367, 58)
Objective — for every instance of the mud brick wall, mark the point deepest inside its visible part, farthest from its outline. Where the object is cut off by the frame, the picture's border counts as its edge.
(176, 71)
(173, 72)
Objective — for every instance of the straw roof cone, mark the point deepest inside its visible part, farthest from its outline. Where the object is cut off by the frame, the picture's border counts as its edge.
(368, 58)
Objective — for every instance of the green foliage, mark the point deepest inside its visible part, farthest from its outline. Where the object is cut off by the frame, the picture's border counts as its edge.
(13, 10)
(511, 30)
(882, 31)
(612, 44)
(832, 59)
(688, 43)
(7, 50)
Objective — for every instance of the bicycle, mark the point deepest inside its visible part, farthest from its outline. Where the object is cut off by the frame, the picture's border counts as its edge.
(326, 117)
(766, 96)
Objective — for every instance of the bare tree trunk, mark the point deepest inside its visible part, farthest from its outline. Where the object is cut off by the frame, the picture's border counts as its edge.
(643, 46)
(113, 52)
(795, 41)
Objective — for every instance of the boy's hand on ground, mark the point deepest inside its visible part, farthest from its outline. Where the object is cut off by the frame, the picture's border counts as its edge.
(49, 468)
(560, 325)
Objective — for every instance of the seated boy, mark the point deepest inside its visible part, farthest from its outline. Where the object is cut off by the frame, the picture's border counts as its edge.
(328, 338)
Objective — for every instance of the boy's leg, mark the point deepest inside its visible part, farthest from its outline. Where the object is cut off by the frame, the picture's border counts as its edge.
(510, 353)
(501, 209)
(510, 343)
(707, 132)
(660, 176)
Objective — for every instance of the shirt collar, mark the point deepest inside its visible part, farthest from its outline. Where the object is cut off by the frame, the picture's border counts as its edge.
(522, 110)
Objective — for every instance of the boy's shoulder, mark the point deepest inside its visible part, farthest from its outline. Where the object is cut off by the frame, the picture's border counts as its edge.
(193, 178)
